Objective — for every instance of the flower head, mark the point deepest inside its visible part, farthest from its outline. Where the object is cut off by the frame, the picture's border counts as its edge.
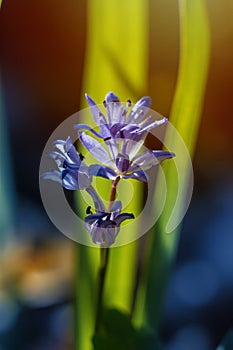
(121, 124)
(72, 173)
(122, 137)
(104, 226)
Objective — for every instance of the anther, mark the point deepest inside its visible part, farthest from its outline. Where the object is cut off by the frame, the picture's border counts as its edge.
(81, 156)
(88, 210)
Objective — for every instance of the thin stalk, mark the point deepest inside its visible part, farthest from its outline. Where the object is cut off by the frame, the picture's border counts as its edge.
(104, 258)
(104, 255)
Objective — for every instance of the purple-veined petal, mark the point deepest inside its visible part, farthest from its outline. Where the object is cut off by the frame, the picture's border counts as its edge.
(54, 175)
(113, 147)
(94, 108)
(146, 122)
(139, 110)
(143, 161)
(122, 162)
(99, 205)
(90, 219)
(63, 145)
(162, 155)
(122, 217)
(143, 102)
(146, 160)
(104, 236)
(60, 145)
(131, 147)
(111, 97)
(87, 127)
(153, 125)
(139, 175)
(115, 111)
(68, 150)
(104, 129)
(95, 148)
(116, 207)
(102, 171)
(75, 180)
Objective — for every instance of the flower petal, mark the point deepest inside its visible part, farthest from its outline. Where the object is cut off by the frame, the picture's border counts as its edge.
(53, 175)
(139, 110)
(122, 162)
(87, 127)
(68, 150)
(75, 180)
(153, 125)
(90, 219)
(162, 155)
(104, 236)
(139, 175)
(122, 217)
(102, 171)
(131, 147)
(94, 109)
(99, 205)
(111, 97)
(146, 160)
(116, 207)
(95, 148)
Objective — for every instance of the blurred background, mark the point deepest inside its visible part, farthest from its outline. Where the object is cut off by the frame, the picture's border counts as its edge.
(43, 46)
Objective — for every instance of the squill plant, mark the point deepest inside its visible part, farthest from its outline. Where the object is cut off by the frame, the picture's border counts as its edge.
(117, 148)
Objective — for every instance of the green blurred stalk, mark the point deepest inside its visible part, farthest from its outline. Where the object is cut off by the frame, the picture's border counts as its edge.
(116, 60)
(185, 116)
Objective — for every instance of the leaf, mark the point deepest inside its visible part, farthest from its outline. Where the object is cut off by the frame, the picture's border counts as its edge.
(118, 333)
(185, 116)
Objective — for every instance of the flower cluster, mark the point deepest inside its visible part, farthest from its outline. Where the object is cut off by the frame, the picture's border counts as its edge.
(116, 144)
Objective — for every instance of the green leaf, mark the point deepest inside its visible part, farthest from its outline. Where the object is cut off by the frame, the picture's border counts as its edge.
(118, 333)
(185, 116)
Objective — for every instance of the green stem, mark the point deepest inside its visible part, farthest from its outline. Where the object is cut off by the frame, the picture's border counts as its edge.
(104, 255)
(104, 258)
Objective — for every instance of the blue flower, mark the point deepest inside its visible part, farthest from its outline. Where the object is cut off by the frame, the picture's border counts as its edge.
(104, 226)
(130, 131)
(120, 139)
(72, 173)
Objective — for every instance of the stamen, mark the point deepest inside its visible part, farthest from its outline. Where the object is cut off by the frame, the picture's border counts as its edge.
(88, 210)
(81, 156)
(129, 103)
(104, 103)
(107, 138)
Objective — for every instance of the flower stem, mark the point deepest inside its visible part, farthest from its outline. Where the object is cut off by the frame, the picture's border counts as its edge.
(104, 254)
(104, 258)
(113, 192)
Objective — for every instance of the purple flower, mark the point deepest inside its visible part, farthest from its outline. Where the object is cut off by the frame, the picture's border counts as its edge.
(121, 138)
(104, 226)
(72, 173)
(117, 128)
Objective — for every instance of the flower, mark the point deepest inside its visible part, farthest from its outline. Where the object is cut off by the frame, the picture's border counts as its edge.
(122, 137)
(72, 173)
(131, 130)
(104, 226)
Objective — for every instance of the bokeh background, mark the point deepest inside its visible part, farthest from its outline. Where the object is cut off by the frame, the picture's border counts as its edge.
(43, 46)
